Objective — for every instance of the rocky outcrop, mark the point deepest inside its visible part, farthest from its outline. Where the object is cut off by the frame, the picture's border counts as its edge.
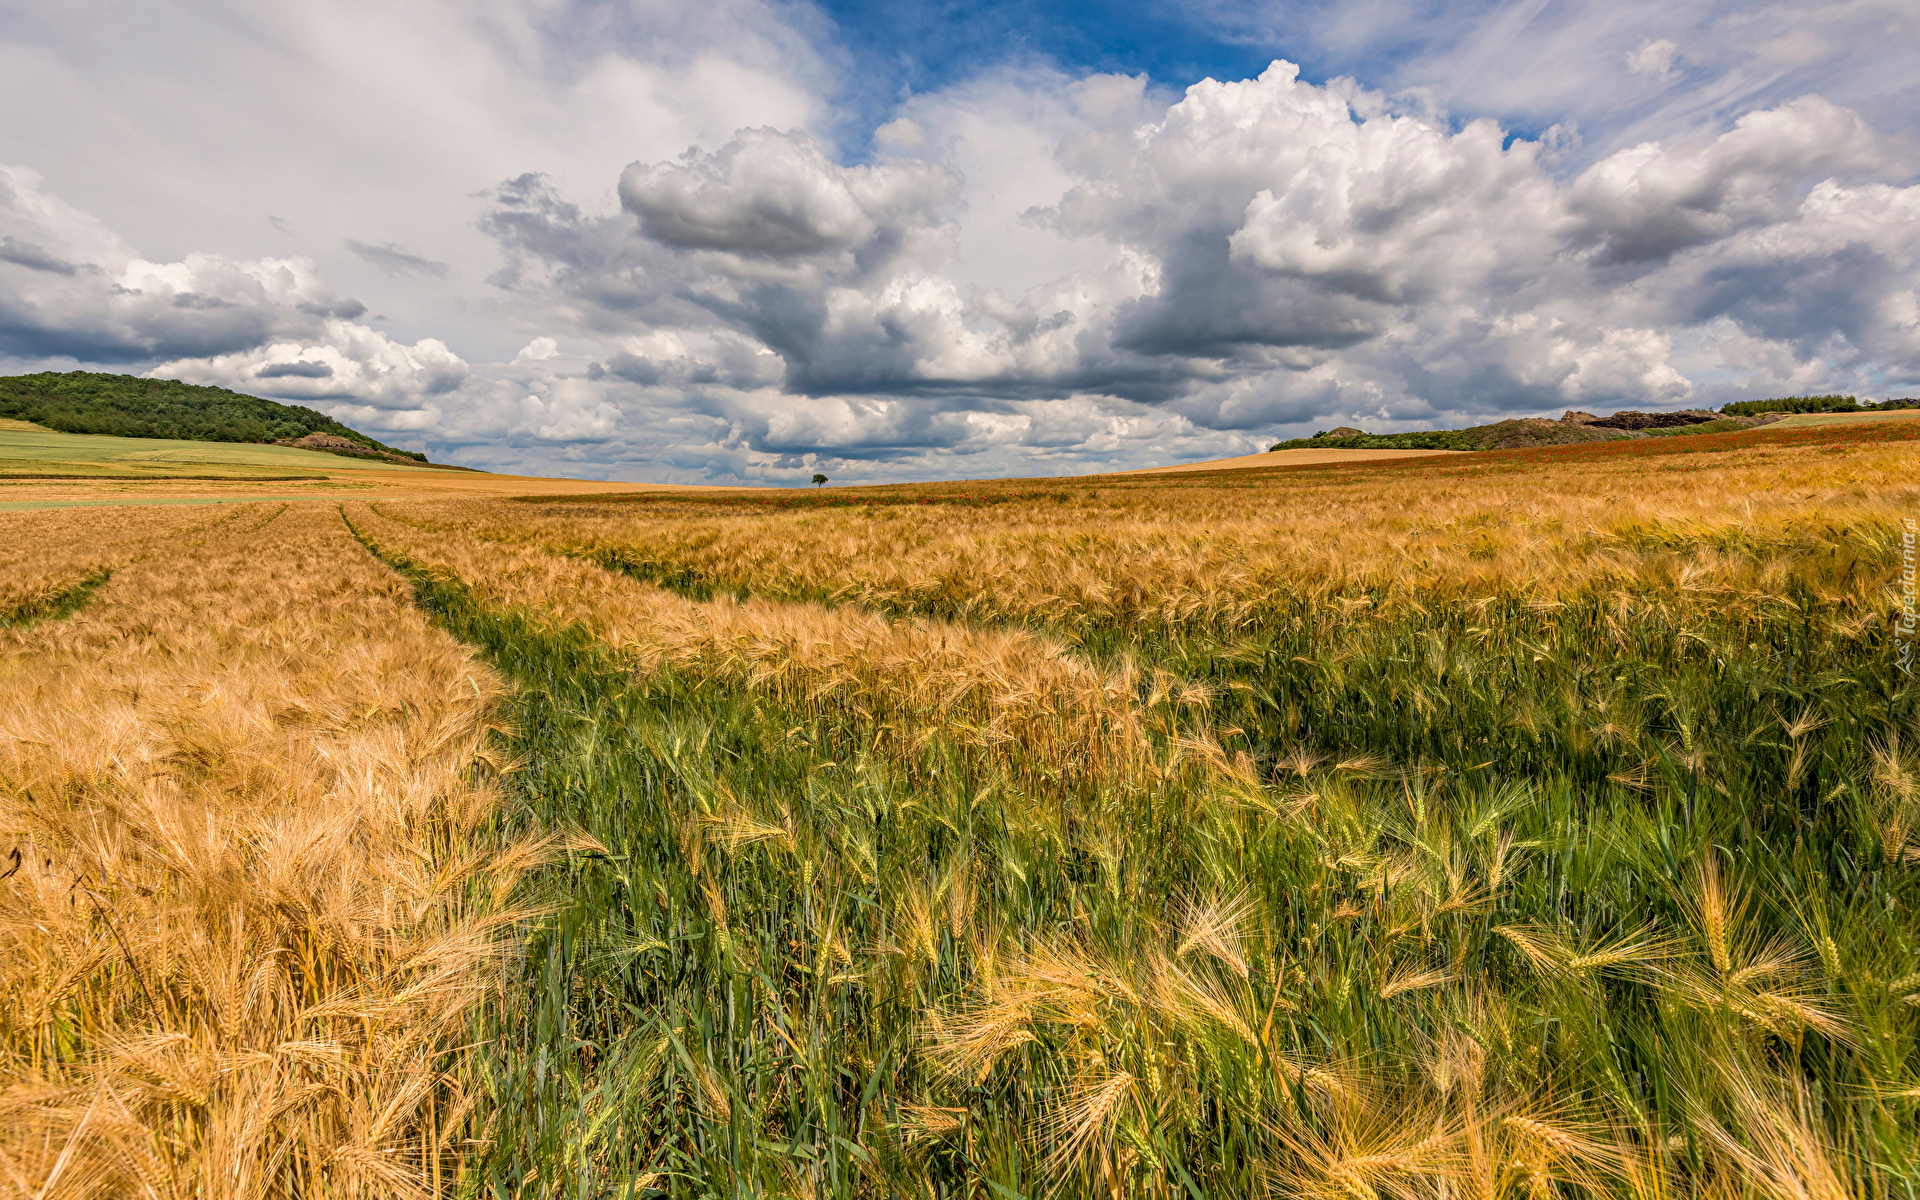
(1642, 420)
(335, 444)
(326, 441)
(1524, 433)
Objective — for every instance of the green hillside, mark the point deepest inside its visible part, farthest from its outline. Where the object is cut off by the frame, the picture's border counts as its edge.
(29, 452)
(1812, 404)
(1526, 432)
(128, 406)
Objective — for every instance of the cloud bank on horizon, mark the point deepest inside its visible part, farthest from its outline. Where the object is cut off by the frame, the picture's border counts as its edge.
(753, 241)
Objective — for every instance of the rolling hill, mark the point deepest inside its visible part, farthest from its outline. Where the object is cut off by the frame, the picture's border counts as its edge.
(131, 407)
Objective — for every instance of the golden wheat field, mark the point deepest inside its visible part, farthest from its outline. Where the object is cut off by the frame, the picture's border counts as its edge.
(1518, 824)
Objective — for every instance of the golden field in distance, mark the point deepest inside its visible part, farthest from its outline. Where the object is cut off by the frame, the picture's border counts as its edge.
(1509, 824)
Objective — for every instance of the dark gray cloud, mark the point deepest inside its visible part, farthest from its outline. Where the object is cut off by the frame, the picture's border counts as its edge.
(294, 370)
(32, 257)
(344, 309)
(393, 260)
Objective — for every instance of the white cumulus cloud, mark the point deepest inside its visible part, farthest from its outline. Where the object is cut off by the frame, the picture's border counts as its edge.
(653, 241)
(1653, 56)
(1246, 256)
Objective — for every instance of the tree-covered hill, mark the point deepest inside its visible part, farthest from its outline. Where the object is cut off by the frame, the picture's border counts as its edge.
(128, 406)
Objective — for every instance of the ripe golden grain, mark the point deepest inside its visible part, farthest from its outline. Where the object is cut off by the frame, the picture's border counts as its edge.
(252, 915)
(1148, 555)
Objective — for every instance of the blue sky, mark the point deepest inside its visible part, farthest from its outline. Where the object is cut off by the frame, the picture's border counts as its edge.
(751, 239)
(925, 47)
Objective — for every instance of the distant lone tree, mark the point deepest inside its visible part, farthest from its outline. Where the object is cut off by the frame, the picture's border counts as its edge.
(818, 480)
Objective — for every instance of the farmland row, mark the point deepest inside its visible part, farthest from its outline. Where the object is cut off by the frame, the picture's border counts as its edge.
(1550, 632)
(1465, 888)
(51, 561)
(1084, 559)
(252, 902)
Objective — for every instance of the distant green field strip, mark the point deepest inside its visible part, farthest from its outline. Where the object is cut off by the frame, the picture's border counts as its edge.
(132, 501)
(1811, 420)
(41, 468)
(93, 448)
